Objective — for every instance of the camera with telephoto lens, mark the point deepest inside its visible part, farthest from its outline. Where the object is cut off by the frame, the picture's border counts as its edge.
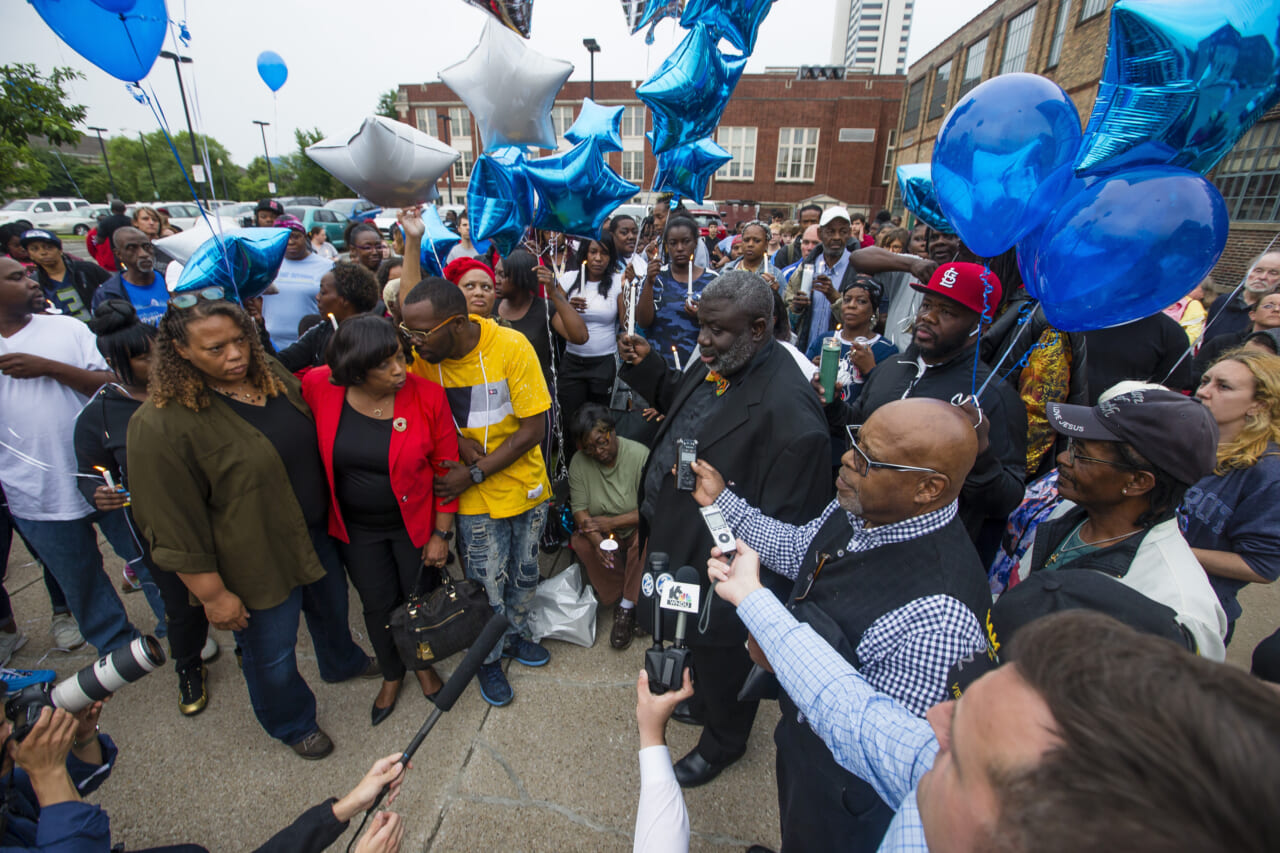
(96, 681)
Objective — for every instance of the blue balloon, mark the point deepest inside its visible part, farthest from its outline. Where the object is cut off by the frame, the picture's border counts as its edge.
(1028, 247)
(647, 13)
(272, 70)
(1182, 82)
(738, 21)
(689, 91)
(123, 44)
(1127, 246)
(1003, 159)
(243, 263)
(437, 243)
(686, 170)
(117, 6)
(915, 184)
(603, 124)
(576, 191)
(500, 202)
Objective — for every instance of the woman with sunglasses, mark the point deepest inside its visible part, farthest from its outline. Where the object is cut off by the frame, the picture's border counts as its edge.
(383, 436)
(126, 343)
(1129, 460)
(229, 489)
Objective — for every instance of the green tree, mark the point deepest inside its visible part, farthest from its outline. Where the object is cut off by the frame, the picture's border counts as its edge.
(387, 105)
(309, 178)
(33, 106)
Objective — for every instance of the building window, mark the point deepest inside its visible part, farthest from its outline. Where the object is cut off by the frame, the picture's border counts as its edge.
(426, 119)
(1249, 176)
(1017, 42)
(915, 95)
(741, 143)
(938, 100)
(889, 146)
(633, 166)
(1092, 8)
(561, 120)
(1059, 31)
(459, 122)
(974, 62)
(633, 121)
(462, 166)
(797, 153)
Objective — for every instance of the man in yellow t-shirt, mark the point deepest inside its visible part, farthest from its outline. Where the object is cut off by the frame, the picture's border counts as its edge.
(499, 400)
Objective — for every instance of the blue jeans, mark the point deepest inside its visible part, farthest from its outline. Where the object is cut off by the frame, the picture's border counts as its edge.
(115, 525)
(282, 701)
(502, 554)
(69, 549)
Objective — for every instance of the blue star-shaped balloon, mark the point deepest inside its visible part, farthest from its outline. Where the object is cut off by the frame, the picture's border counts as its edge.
(437, 242)
(1182, 82)
(689, 91)
(915, 184)
(500, 201)
(686, 170)
(576, 191)
(243, 263)
(647, 13)
(509, 87)
(603, 124)
(738, 21)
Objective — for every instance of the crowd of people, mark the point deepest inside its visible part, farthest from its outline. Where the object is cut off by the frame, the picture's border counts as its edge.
(906, 538)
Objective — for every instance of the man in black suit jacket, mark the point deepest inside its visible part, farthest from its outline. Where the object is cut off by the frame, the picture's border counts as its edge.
(756, 420)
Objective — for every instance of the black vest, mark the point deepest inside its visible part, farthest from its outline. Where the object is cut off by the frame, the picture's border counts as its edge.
(822, 805)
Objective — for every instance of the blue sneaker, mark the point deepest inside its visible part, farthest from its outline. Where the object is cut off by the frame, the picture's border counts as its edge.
(16, 679)
(526, 652)
(494, 686)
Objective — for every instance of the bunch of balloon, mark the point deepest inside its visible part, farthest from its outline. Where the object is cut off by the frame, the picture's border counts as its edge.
(915, 185)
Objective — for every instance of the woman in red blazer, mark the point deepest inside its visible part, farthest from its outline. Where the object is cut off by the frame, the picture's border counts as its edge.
(383, 436)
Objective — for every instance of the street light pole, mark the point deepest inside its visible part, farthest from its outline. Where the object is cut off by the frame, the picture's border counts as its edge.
(593, 47)
(448, 124)
(195, 154)
(105, 161)
(223, 169)
(271, 179)
(155, 188)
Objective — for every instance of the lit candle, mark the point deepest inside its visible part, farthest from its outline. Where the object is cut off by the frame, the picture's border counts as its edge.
(582, 276)
(633, 292)
(675, 354)
(106, 475)
(691, 278)
(333, 320)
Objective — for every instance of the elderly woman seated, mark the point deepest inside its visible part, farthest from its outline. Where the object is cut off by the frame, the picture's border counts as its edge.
(604, 486)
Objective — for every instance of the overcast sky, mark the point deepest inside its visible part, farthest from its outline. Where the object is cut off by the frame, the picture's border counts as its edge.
(342, 55)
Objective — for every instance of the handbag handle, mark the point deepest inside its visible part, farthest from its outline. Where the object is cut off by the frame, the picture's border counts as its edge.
(445, 578)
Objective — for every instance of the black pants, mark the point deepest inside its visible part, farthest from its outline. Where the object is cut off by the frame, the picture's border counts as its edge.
(188, 626)
(718, 674)
(584, 380)
(1266, 659)
(383, 571)
(822, 806)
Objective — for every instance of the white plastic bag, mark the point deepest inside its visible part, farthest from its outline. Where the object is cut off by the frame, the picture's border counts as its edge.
(564, 608)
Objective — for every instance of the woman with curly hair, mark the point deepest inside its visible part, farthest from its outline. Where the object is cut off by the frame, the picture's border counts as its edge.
(230, 492)
(1228, 517)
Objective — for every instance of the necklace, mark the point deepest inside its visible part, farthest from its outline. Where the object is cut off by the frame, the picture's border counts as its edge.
(378, 410)
(1057, 554)
(253, 397)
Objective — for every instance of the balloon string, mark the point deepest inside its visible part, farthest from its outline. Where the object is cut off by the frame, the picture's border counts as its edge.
(1023, 322)
(984, 318)
(1204, 331)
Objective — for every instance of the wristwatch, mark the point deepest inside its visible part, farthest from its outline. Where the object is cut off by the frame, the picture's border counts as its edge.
(446, 535)
(477, 476)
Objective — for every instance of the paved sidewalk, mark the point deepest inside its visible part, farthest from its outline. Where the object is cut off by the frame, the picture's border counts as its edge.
(554, 771)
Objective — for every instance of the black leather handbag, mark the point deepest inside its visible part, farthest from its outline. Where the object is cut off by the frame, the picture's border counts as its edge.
(429, 628)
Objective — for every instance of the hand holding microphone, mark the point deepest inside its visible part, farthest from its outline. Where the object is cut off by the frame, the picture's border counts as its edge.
(734, 582)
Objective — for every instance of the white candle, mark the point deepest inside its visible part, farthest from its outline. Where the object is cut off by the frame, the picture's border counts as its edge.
(675, 354)
(691, 278)
(106, 475)
(633, 291)
(333, 320)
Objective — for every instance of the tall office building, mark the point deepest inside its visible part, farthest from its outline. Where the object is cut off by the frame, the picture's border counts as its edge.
(871, 35)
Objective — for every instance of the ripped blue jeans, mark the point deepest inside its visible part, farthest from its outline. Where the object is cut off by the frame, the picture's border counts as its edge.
(502, 554)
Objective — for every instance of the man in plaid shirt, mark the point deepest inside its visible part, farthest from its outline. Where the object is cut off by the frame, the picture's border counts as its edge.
(888, 577)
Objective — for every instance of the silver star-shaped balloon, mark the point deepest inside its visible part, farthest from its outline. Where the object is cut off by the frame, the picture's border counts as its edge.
(386, 161)
(509, 88)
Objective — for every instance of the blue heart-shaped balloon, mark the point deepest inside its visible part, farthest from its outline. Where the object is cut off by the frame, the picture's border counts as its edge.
(243, 263)
(915, 183)
(124, 44)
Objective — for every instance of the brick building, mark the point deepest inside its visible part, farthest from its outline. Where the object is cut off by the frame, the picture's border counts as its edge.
(793, 140)
(1066, 41)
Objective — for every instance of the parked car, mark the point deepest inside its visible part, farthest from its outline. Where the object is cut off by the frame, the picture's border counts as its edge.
(636, 211)
(333, 222)
(82, 220)
(704, 216)
(51, 213)
(241, 212)
(385, 219)
(182, 215)
(301, 200)
(355, 209)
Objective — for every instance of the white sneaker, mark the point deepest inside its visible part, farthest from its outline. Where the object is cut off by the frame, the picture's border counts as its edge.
(66, 634)
(210, 650)
(10, 643)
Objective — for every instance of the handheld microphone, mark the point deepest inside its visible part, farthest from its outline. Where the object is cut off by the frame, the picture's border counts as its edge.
(658, 563)
(452, 689)
(687, 576)
(666, 666)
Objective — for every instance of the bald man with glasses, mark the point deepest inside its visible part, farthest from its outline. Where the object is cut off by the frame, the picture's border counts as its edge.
(888, 577)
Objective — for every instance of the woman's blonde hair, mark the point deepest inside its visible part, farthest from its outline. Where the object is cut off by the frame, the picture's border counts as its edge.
(1262, 428)
(174, 379)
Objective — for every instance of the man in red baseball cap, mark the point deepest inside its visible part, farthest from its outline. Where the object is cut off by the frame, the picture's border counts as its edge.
(959, 300)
